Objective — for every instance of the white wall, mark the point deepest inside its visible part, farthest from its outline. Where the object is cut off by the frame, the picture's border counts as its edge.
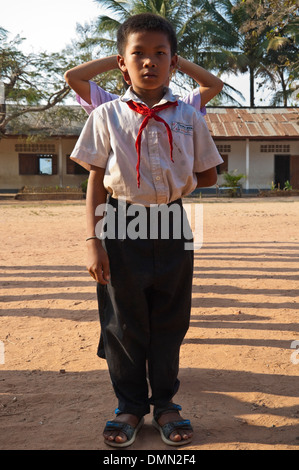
(9, 166)
(261, 164)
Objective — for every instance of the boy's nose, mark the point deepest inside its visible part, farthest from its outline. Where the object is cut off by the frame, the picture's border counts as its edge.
(149, 62)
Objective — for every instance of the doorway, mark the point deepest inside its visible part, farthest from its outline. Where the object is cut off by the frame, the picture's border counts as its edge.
(281, 170)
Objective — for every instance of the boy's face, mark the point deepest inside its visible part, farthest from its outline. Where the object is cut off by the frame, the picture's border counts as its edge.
(148, 61)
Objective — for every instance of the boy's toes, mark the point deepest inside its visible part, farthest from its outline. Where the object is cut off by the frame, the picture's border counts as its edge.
(121, 430)
(180, 435)
(108, 436)
(187, 435)
(120, 438)
(114, 436)
(173, 428)
(175, 436)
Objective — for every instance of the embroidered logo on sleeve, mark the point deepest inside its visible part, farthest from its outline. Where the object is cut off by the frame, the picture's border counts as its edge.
(185, 129)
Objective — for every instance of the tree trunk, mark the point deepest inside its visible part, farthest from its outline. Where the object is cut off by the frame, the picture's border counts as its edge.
(284, 88)
(251, 79)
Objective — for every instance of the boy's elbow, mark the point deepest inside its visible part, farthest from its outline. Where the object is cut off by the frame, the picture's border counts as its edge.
(214, 179)
(219, 85)
(207, 178)
(211, 180)
(67, 76)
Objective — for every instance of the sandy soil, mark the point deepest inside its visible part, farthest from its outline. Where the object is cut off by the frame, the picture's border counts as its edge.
(239, 375)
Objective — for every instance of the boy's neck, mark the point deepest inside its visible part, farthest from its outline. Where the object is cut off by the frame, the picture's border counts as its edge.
(150, 97)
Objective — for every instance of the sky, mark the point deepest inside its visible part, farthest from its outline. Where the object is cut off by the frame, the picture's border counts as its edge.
(51, 25)
(47, 25)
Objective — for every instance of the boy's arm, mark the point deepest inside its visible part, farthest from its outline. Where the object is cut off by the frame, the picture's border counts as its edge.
(210, 85)
(207, 178)
(78, 77)
(97, 258)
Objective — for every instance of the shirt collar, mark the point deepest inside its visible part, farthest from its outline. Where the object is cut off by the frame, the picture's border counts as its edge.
(130, 95)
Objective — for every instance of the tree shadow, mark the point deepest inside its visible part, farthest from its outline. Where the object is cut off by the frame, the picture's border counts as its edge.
(226, 415)
(49, 410)
(47, 284)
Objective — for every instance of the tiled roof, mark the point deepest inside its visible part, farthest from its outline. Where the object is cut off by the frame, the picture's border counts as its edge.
(253, 122)
(237, 123)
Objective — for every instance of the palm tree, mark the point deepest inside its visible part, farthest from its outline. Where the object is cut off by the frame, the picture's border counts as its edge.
(282, 51)
(180, 13)
(283, 60)
(221, 35)
(268, 42)
(235, 51)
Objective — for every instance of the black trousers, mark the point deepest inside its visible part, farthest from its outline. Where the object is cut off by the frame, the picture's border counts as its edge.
(144, 314)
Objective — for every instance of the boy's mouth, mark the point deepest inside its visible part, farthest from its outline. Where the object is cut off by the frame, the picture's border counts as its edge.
(150, 75)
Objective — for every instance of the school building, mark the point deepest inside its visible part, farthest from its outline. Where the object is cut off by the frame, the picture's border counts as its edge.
(261, 143)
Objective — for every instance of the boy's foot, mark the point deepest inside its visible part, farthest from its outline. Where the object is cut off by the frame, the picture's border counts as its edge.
(122, 430)
(179, 434)
(174, 430)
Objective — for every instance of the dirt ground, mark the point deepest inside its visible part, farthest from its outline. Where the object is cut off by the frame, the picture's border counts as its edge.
(238, 371)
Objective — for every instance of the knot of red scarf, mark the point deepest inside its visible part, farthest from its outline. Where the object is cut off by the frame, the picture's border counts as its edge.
(150, 113)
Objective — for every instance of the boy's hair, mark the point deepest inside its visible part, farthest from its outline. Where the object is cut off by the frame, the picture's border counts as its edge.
(145, 22)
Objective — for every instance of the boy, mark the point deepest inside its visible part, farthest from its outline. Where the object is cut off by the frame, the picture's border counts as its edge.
(144, 283)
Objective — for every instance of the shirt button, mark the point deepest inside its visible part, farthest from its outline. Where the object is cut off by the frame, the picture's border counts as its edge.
(158, 178)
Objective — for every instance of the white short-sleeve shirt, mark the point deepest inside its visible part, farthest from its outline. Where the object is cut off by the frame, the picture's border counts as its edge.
(108, 141)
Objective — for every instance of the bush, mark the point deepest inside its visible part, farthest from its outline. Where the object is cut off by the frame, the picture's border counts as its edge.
(232, 179)
(232, 182)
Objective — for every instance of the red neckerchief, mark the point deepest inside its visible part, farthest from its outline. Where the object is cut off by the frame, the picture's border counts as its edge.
(150, 113)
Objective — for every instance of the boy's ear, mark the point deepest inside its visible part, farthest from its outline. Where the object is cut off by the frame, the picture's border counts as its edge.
(121, 63)
(173, 66)
(174, 62)
(123, 68)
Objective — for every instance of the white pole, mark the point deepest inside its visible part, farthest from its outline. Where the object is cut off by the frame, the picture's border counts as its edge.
(247, 165)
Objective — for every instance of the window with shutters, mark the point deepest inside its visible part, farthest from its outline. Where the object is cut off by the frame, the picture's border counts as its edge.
(37, 164)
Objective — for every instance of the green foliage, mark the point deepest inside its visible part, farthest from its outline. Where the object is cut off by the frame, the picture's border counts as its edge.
(34, 84)
(232, 179)
(287, 186)
(224, 36)
(276, 23)
(233, 182)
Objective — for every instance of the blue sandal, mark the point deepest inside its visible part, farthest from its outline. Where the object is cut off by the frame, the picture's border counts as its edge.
(168, 428)
(125, 428)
